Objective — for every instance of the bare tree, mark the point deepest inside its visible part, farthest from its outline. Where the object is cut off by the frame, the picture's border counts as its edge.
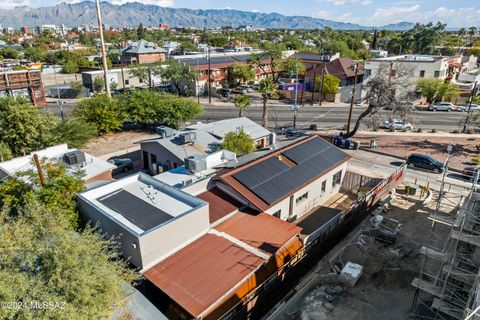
(387, 89)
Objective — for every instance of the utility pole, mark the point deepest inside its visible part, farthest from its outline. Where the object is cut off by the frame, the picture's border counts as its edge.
(313, 87)
(355, 66)
(209, 76)
(474, 92)
(39, 169)
(321, 83)
(198, 81)
(102, 46)
(295, 107)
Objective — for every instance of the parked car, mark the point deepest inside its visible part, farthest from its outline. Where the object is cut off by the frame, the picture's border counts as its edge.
(256, 87)
(247, 87)
(425, 162)
(240, 90)
(397, 124)
(475, 107)
(442, 106)
(122, 165)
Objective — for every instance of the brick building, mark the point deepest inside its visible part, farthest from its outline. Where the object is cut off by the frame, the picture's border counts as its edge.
(142, 52)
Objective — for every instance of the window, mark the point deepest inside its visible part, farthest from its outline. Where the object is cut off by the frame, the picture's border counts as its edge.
(301, 198)
(436, 74)
(140, 80)
(277, 214)
(337, 178)
(422, 73)
(127, 82)
(324, 186)
(153, 158)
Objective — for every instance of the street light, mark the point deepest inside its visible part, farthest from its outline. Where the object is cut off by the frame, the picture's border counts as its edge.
(354, 67)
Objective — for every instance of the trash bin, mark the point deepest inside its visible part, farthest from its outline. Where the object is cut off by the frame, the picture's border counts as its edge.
(356, 145)
(347, 144)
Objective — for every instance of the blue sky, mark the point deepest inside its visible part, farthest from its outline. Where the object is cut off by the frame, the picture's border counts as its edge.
(456, 13)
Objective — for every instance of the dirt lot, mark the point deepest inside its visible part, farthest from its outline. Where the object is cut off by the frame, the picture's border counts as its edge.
(384, 290)
(464, 147)
(116, 142)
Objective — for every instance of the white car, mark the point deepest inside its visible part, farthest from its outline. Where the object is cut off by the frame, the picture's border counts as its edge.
(397, 124)
(442, 106)
(475, 107)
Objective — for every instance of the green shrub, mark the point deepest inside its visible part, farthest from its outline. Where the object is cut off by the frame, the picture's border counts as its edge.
(476, 160)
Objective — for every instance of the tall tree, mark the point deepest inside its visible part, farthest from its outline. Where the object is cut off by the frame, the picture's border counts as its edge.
(267, 88)
(273, 54)
(102, 111)
(471, 32)
(23, 128)
(239, 142)
(240, 73)
(331, 84)
(435, 90)
(179, 75)
(384, 91)
(146, 72)
(242, 102)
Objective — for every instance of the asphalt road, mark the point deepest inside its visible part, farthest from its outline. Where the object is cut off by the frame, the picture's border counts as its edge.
(280, 115)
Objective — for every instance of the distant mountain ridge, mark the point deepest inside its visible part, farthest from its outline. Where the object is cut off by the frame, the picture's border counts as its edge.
(134, 13)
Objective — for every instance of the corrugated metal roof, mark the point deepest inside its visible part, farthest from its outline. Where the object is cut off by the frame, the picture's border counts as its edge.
(202, 273)
(264, 232)
(220, 203)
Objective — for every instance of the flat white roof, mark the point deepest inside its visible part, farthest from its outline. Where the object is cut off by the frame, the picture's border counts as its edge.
(140, 202)
(92, 167)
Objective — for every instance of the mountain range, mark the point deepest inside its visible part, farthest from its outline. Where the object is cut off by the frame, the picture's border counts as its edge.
(134, 13)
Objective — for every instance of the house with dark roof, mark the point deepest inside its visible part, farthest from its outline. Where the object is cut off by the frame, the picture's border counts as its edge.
(141, 52)
(342, 68)
(290, 182)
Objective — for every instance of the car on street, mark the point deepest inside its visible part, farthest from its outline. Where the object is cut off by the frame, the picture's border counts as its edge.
(475, 107)
(397, 124)
(240, 90)
(442, 106)
(121, 165)
(246, 87)
(425, 162)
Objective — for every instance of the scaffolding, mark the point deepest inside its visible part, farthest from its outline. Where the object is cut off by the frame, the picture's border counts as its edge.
(449, 275)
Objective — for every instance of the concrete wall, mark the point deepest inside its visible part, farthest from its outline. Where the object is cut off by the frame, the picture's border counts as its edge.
(162, 154)
(166, 239)
(110, 227)
(315, 196)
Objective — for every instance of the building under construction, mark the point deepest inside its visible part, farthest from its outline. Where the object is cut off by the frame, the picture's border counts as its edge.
(26, 83)
(449, 277)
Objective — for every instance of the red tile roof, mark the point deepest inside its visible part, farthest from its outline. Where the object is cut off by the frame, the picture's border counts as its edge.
(264, 232)
(220, 203)
(200, 275)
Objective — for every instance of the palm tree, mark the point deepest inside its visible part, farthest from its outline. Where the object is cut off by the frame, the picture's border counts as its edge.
(267, 87)
(241, 102)
(461, 35)
(472, 31)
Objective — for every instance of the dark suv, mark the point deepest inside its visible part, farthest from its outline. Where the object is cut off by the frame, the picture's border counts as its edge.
(425, 162)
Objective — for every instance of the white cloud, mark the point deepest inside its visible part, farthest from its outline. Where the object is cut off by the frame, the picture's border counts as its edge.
(161, 3)
(322, 14)
(10, 4)
(454, 17)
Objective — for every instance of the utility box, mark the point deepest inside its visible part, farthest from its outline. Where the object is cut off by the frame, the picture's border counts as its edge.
(350, 274)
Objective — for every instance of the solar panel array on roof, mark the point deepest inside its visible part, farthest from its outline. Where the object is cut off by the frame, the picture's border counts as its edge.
(272, 179)
(261, 172)
(137, 211)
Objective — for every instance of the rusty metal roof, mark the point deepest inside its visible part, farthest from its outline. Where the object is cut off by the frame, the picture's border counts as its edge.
(201, 274)
(220, 203)
(264, 232)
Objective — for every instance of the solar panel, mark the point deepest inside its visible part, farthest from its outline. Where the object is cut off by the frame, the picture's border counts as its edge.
(259, 173)
(271, 179)
(137, 211)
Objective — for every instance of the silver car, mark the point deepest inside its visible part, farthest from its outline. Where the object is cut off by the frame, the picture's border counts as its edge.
(475, 107)
(442, 106)
(397, 124)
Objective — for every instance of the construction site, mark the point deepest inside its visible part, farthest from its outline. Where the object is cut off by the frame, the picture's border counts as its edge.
(417, 258)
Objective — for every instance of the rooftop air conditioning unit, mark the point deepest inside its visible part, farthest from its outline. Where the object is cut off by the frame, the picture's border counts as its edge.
(187, 137)
(164, 131)
(74, 157)
(195, 163)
